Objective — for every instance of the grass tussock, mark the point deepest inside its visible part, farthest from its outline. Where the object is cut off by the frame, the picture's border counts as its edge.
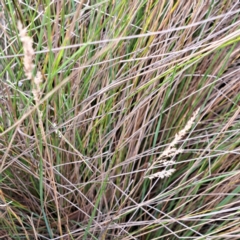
(119, 119)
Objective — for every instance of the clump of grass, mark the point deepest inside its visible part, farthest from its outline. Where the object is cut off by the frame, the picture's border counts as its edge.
(97, 97)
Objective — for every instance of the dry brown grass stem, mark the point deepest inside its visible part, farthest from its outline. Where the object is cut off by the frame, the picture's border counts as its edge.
(36, 90)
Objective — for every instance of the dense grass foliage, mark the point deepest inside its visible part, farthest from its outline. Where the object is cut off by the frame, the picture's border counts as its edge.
(121, 80)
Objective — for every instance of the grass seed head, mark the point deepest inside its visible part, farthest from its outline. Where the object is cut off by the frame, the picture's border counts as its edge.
(27, 50)
(172, 151)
